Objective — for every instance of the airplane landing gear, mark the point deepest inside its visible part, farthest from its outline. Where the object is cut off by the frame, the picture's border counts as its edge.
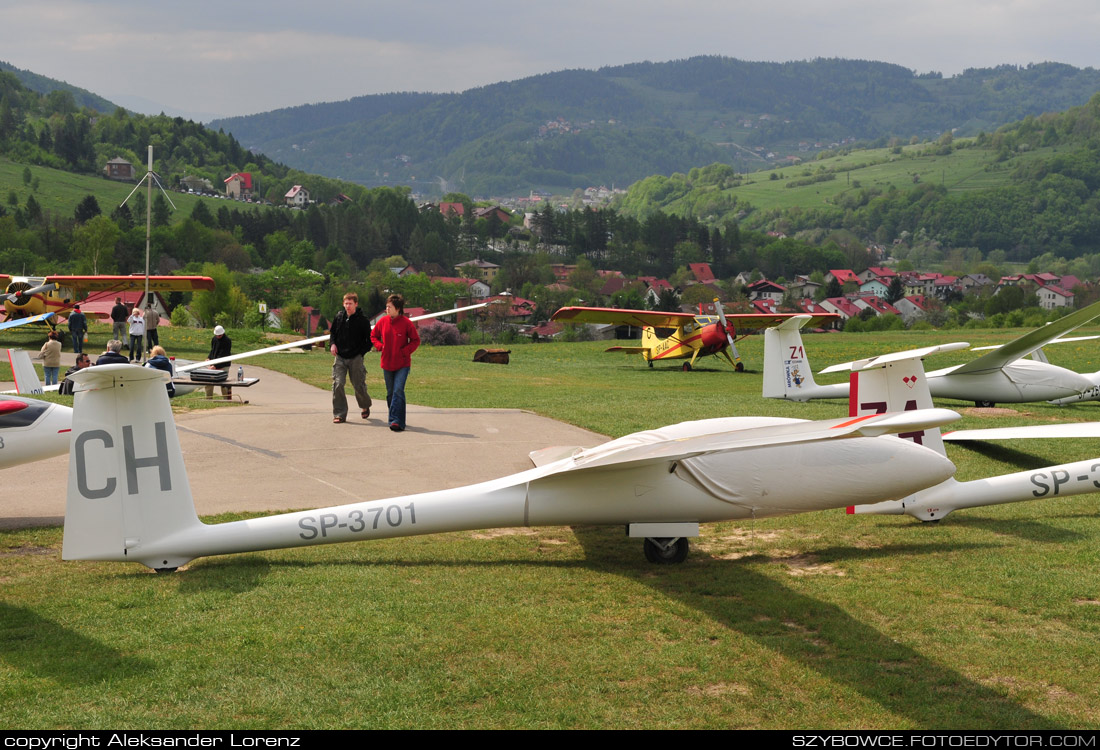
(739, 367)
(665, 551)
(686, 367)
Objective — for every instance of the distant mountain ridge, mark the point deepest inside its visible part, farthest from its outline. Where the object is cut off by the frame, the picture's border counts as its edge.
(44, 85)
(576, 128)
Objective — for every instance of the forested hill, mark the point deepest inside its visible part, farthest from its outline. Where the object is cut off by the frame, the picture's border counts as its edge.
(619, 124)
(44, 85)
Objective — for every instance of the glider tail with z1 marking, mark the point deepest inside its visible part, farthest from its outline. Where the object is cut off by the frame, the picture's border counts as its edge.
(787, 372)
(897, 383)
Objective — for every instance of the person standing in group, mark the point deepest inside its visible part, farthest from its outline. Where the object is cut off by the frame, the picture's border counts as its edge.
(349, 339)
(50, 354)
(152, 320)
(78, 326)
(395, 337)
(137, 333)
(119, 313)
(220, 346)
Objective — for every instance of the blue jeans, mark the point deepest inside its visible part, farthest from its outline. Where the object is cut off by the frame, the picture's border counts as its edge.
(51, 374)
(78, 341)
(395, 394)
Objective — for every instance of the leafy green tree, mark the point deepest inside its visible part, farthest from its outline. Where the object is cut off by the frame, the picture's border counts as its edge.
(94, 245)
(208, 305)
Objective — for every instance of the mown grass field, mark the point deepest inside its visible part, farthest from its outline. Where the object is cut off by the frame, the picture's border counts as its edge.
(989, 619)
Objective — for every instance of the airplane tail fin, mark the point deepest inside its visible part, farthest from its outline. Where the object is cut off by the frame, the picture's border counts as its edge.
(128, 487)
(23, 373)
(893, 383)
(787, 371)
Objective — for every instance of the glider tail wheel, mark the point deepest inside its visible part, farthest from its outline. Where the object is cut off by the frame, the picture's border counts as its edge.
(666, 551)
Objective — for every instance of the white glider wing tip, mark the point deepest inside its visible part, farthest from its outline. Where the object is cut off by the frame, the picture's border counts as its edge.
(794, 323)
(108, 376)
(1035, 431)
(884, 359)
(907, 421)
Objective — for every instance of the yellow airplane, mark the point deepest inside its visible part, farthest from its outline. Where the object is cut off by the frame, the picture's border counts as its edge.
(34, 299)
(680, 335)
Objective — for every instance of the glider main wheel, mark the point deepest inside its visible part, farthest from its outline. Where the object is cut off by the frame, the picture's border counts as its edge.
(665, 551)
(984, 404)
(686, 367)
(165, 570)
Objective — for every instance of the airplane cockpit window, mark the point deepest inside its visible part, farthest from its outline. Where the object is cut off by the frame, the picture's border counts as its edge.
(13, 417)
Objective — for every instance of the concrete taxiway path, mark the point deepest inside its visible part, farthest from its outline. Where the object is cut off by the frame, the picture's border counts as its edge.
(281, 451)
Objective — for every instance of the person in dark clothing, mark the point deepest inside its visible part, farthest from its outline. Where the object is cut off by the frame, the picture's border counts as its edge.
(119, 313)
(349, 340)
(159, 361)
(78, 326)
(220, 346)
(113, 355)
(82, 361)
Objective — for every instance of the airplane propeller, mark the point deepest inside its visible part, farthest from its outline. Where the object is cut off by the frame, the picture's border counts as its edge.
(729, 336)
(22, 296)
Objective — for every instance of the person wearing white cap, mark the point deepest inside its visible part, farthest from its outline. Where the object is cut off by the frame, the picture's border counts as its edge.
(220, 346)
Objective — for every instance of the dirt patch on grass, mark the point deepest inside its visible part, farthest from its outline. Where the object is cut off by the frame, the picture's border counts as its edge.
(495, 533)
(717, 689)
(1092, 602)
(26, 550)
(807, 565)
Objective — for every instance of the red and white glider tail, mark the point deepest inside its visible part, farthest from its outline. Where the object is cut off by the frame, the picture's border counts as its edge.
(23, 373)
(896, 382)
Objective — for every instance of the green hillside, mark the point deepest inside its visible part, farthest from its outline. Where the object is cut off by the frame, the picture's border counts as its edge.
(44, 85)
(616, 125)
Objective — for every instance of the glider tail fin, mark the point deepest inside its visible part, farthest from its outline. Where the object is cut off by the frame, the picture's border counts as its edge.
(23, 373)
(787, 371)
(128, 491)
(892, 386)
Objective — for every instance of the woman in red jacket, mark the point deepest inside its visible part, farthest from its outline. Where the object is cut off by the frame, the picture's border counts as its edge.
(395, 338)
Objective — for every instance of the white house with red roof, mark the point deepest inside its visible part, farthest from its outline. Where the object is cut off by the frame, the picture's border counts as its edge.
(879, 305)
(297, 196)
(913, 307)
(842, 306)
(475, 287)
(1052, 296)
(878, 272)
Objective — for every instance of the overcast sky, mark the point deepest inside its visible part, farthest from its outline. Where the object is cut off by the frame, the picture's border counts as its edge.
(204, 59)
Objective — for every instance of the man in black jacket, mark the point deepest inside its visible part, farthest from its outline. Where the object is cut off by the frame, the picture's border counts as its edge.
(220, 346)
(349, 340)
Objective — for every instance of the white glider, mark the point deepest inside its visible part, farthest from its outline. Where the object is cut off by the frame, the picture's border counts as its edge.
(1000, 376)
(129, 499)
(897, 382)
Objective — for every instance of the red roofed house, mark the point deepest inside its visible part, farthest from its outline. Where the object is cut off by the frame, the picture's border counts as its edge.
(842, 276)
(842, 306)
(297, 196)
(880, 306)
(452, 209)
(239, 185)
(764, 289)
(1052, 296)
(912, 307)
(702, 272)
